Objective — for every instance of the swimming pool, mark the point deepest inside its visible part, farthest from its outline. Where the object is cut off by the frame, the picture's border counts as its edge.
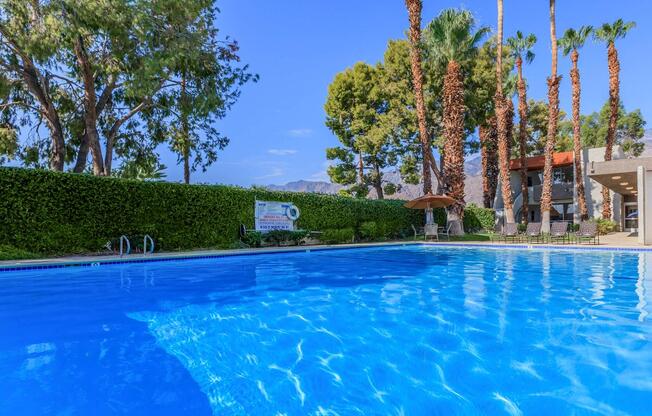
(401, 330)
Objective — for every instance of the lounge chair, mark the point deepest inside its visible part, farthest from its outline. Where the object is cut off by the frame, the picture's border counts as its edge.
(588, 232)
(533, 232)
(559, 232)
(510, 231)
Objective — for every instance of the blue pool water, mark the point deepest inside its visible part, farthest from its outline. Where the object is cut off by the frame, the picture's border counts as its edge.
(411, 330)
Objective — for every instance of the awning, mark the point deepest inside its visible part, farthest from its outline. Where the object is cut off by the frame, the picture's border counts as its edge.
(619, 175)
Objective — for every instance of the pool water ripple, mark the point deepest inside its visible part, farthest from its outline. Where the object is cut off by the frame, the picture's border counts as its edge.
(413, 330)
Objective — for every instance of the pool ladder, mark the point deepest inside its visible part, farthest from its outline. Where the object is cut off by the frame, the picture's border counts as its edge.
(125, 246)
(151, 243)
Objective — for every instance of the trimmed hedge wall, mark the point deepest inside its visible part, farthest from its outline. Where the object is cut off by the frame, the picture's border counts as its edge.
(478, 218)
(50, 212)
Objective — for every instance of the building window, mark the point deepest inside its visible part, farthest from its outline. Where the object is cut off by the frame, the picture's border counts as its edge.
(563, 175)
(562, 211)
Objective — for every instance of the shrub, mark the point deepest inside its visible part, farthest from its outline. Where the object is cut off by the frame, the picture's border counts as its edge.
(284, 236)
(478, 218)
(13, 253)
(607, 226)
(371, 230)
(253, 238)
(62, 213)
(337, 236)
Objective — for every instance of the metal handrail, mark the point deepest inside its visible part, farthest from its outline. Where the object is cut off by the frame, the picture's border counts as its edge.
(151, 240)
(123, 240)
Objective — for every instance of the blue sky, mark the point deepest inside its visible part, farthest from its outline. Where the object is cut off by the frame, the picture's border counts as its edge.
(277, 128)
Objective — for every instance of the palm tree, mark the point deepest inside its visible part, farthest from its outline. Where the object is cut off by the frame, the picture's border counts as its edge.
(414, 15)
(452, 42)
(521, 46)
(553, 118)
(608, 33)
(501, 123)
(572, 41)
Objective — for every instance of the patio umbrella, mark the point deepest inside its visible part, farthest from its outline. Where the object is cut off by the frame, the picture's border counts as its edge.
(428, 202)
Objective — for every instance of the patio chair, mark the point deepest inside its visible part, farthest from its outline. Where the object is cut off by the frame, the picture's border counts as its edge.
(493, 233)
(428, 230)
(533, 232)
(445, 231)
(588, 232)
(510, 231)
(559, 232)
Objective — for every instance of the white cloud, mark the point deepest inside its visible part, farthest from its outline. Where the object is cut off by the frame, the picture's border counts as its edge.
(274, 172)
(281, 152)
(300, 132)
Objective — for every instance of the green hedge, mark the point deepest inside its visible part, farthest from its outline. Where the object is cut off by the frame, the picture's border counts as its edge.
(475, 218)
(478, 218)
(50, 212)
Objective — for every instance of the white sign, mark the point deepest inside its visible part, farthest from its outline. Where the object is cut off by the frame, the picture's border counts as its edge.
(272, 215)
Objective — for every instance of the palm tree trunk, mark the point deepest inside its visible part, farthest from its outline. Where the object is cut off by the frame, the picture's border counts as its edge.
(501, 122)
(509, 125)
(414, 14)
(483, 132)
(453, 122)
(577, 138)
(488, 143)
(553, 115)
(522, 138)
(614, 102)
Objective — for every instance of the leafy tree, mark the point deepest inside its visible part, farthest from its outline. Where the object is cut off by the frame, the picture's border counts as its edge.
(537, 129)
(521, 46)
(571, 42)
(204, 85)
(141, 170)
(357, 113)
(396, 81)
(93, 71)
(608, 33)
(452, 41)
(629, 130)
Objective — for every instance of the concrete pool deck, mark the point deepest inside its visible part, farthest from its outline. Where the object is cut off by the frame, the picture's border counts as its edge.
(614, 241)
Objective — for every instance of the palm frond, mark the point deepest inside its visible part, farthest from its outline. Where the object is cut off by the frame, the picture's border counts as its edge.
(452, 36)
(610, 32)
(521, 45)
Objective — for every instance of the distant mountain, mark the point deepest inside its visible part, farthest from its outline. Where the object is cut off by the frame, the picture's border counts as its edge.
(647, 139)
(320, 187)
(473, 184)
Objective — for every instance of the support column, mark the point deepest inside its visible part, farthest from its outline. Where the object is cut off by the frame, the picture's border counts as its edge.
(644, 200)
